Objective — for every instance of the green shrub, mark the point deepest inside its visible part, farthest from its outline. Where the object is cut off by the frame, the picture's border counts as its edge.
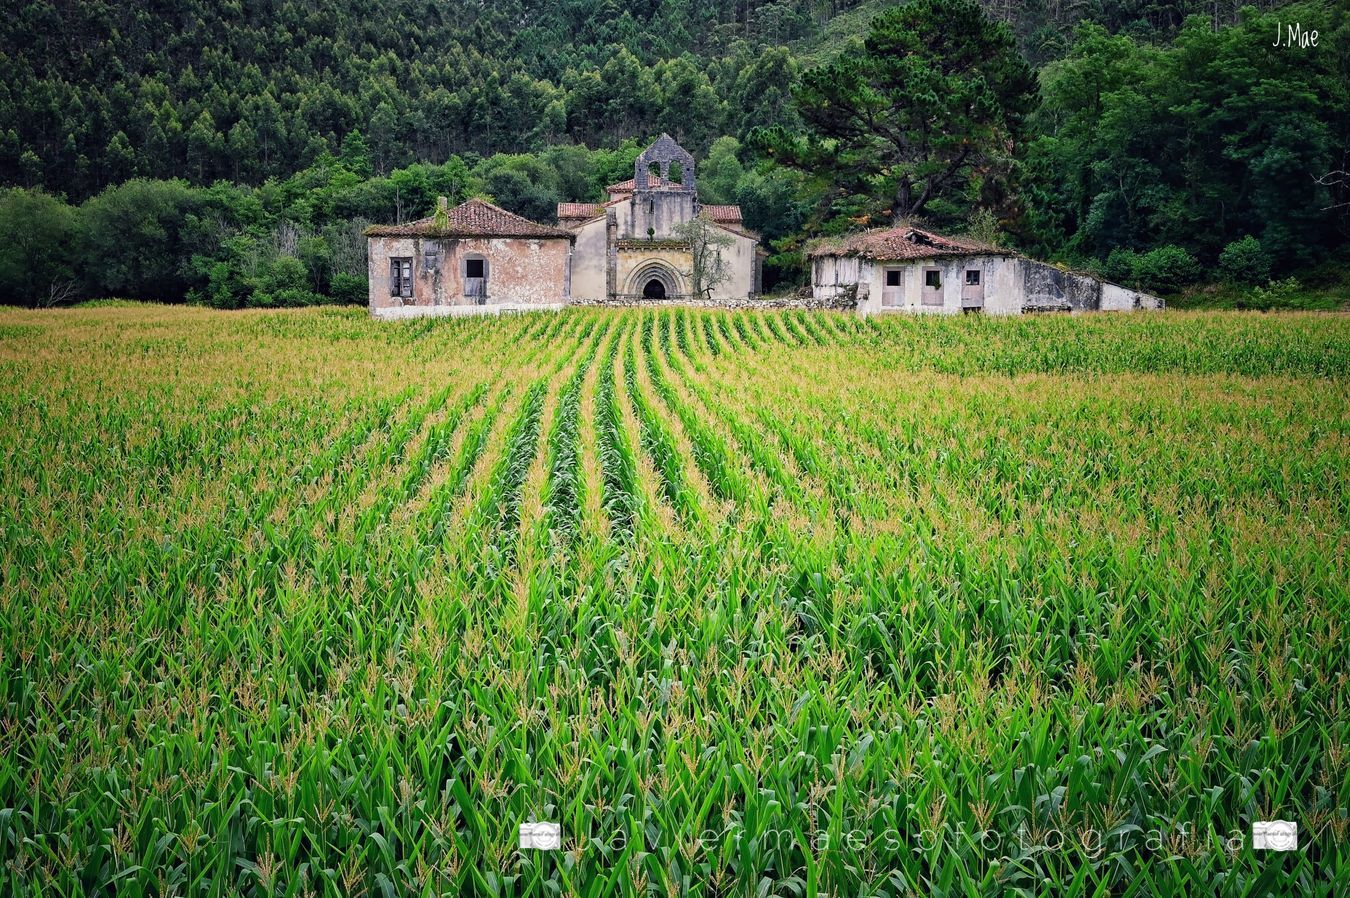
(1121, 265)
(38, 234)
(1166, 269)
(349, 289)
(1275, 295)
(1244, 262)
(225, 288)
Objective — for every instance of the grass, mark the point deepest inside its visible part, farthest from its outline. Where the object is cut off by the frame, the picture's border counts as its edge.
(298, 603)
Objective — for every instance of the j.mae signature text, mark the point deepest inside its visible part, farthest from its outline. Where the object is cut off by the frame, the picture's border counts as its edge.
(1294, 36)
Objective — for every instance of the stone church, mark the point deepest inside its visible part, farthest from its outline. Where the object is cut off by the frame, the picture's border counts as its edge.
(478, 258)
(630, 247)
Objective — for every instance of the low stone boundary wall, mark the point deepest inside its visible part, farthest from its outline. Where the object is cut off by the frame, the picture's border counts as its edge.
(404, 313)
(840, 303)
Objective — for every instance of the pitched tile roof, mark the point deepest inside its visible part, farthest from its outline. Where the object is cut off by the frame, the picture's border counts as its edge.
(579, 210)
(573, 212)
(727, 214)
(901, 242)
(475, 218)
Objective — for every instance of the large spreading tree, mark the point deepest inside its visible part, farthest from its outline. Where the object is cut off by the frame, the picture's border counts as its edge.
(933, 100)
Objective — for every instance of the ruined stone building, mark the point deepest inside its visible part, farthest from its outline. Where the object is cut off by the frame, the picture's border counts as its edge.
(636, 246)
(905, 269)
(641, 245)
(471, 259)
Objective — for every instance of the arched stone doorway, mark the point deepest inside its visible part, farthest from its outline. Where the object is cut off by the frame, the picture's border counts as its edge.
(654, 280)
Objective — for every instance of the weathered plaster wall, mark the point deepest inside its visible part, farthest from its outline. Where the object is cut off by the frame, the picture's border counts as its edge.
(1116, 298)
(740, 260)
(1045, 287)
(519, 271)
(659, 210)
(739, 257)
(588, 262)
(380, 251)
(997, 273)
(1011, 286)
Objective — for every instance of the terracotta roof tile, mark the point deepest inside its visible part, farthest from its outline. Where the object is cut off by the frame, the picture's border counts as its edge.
(579, 210)
(728, 214)
(475, 218)
(902, 242)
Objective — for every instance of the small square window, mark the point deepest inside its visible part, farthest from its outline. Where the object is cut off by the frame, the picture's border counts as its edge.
(893, 278)
(932, 279)
(973, 277)
(473, 268)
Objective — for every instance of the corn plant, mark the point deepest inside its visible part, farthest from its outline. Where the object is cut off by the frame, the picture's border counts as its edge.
(760, 603)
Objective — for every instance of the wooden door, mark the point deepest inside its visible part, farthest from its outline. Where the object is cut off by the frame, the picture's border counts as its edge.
(932, 286)
(972, 289)
(892, 287)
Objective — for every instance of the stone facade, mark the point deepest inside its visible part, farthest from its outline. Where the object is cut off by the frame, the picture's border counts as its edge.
(908, 270)
(473, 259)
(631, 247)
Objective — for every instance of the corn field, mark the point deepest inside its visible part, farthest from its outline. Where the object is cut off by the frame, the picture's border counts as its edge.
(752, 604)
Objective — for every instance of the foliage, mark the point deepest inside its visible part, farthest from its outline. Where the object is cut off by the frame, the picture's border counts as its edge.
(1197, 143)
(983, 227)
(1153, 128)
(708, 244)
(1166, 269)
(1276, 294)
(38, 239)
(303, 603)
(136, 237)
(206, 91)
(926, 107)
(1244, 261)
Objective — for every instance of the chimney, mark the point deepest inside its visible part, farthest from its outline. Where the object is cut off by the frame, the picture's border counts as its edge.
(442, 218)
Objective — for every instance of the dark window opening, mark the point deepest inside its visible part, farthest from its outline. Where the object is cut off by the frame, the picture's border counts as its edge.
(892, 279)
(475, 279)
(654, 289)
(400, 278)
(973, 277)
(932, 279)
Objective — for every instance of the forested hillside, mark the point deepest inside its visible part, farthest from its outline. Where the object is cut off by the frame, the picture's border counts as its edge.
(233, 152)
(98, 92)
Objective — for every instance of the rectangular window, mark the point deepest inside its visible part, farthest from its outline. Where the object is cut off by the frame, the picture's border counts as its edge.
(400, 278)
(973, 277)
(473, 268)
(933, 279)
(892, 278)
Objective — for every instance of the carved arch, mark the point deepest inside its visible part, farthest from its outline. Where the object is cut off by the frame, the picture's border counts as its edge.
(655, 270)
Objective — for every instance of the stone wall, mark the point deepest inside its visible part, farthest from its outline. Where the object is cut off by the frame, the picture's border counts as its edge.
(520, 271)
(845, 301)
(403, 313)
(1009, 285)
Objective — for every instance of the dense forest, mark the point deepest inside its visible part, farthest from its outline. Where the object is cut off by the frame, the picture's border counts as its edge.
(232, 152)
